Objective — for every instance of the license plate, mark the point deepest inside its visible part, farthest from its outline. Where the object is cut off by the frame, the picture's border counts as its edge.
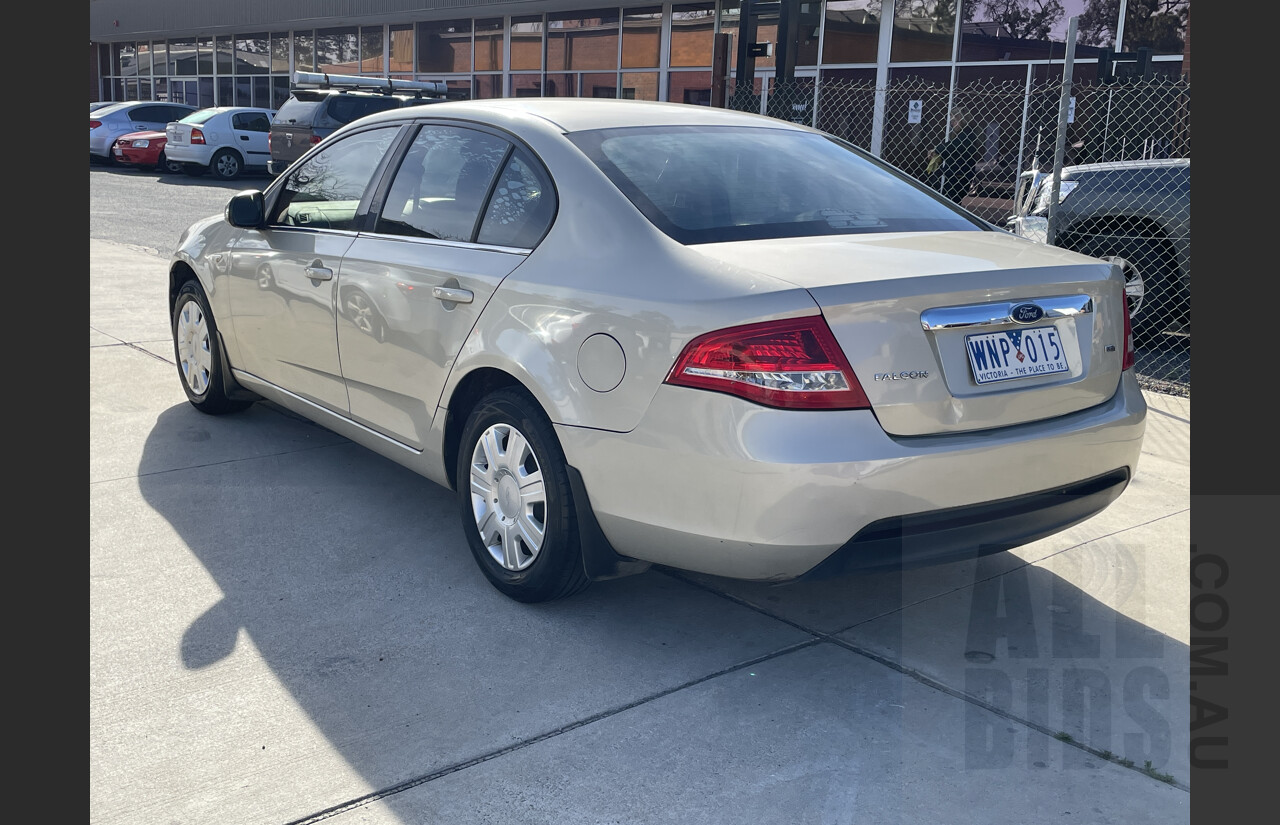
(1015, 353)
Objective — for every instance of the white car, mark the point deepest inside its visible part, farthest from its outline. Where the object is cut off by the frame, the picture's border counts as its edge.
(116, 119)
(223, 140)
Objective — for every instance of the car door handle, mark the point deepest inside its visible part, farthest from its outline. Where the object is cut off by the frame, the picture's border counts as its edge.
(458, 296)
(318, 273)
(244, 137)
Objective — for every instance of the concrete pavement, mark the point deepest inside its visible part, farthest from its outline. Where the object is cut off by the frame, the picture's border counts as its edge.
(285, 627)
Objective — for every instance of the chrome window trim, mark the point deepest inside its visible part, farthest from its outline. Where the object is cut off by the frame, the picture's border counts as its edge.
(391, 236)
(1001, 312)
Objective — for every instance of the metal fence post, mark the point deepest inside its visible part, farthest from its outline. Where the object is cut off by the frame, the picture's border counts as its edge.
(1068, 68)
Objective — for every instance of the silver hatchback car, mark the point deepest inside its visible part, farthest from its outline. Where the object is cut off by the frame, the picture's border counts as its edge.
(632, 333)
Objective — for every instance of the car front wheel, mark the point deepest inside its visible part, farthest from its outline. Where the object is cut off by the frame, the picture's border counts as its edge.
(516, 505)
(196, 349)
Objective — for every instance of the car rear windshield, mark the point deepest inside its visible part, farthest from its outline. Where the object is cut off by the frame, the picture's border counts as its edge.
(294, 110)
(702, 184)
(346, 108)
(199, 117)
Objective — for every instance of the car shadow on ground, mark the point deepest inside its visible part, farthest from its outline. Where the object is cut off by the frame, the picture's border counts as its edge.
(350, 578)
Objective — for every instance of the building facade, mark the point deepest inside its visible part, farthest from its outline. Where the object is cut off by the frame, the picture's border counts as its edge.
(244, 53)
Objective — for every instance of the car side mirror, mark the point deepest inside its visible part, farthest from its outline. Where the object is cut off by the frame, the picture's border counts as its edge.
(246, 209)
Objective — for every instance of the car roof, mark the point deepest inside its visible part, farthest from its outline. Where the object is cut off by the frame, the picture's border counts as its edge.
(1118, 165)
(579, 114)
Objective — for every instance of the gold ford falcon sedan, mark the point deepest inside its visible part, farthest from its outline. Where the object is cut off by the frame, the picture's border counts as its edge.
(631, 333)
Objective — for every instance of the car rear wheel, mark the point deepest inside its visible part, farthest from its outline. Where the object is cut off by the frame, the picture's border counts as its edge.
(1149, 274)
(196, 349)
(170, 166)
(226, 165)
(516, 505)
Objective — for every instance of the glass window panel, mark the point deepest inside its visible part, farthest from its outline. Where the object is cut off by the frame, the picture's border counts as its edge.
(244, 91)
(526, 43)
(338, 50)
(371, 50)
(253, 54)
(144, 59)
(279, 91)
(808, 22)
(486, 86)
(526, 85)
(280, 53)
(923, 30)
(262, 92)
(693, 34)
(1007, 32)
(104, 60)
(160, 88)
(560, 85)
(458, 89)
(1159, 25)
(583, 40)
(325, 191)
(204, 95)
(182, 57)
(144, 89)
(689, 87)
(641, 37)
(441, 188)
(304, 51)
(226, 92)
(401, 58)
(444, 46)
(639, 86)
(600, 85)
(204, 55)
(125, 62)
(522, 205)
(489, 34)
(225, 54)
(852, 31)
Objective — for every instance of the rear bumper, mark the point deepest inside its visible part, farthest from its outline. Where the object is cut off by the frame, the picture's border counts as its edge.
(714, 484)
(190, 154)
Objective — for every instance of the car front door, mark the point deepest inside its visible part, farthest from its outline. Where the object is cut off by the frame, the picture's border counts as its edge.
(284, 276)
(463, 210)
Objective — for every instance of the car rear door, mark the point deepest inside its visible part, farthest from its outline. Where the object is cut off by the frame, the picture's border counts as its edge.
(251, 131)
(461, 213)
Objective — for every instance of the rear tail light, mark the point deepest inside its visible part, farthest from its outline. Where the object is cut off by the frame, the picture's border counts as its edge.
(94, 124)
(315, 139)
(1130, 353)
(794, 364)
(197, 136)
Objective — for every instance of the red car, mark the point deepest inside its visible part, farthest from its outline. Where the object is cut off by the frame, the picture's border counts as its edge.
(144, 150)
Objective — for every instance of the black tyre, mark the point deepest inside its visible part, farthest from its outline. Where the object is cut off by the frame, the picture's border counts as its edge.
(199, 357)
(171, 167)
(514, 498)
(226, 165)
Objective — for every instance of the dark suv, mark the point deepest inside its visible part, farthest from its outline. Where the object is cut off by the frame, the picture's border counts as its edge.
(320, 103)
(1137, 213)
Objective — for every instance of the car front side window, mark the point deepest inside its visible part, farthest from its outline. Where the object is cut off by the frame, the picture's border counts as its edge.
(325, 191)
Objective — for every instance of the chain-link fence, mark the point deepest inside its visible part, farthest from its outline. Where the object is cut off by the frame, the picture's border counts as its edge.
(1123, 191)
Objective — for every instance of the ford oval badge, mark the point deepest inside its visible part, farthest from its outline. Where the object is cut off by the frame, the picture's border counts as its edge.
(1026, 313)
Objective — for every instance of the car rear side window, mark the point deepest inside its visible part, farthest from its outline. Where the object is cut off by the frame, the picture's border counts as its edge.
(711, 184)
(251, 122)
(325, 191)
(346, 108)
(294, 110)
(442, 184)
(522, 205)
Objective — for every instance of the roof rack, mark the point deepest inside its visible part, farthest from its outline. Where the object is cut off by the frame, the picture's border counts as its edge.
(386, 85)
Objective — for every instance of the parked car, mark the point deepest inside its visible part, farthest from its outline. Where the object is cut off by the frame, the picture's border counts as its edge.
(321, 103)
(1135, 213)
(224, 140)
(144, 150)
(631, 333)
(110, 122)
